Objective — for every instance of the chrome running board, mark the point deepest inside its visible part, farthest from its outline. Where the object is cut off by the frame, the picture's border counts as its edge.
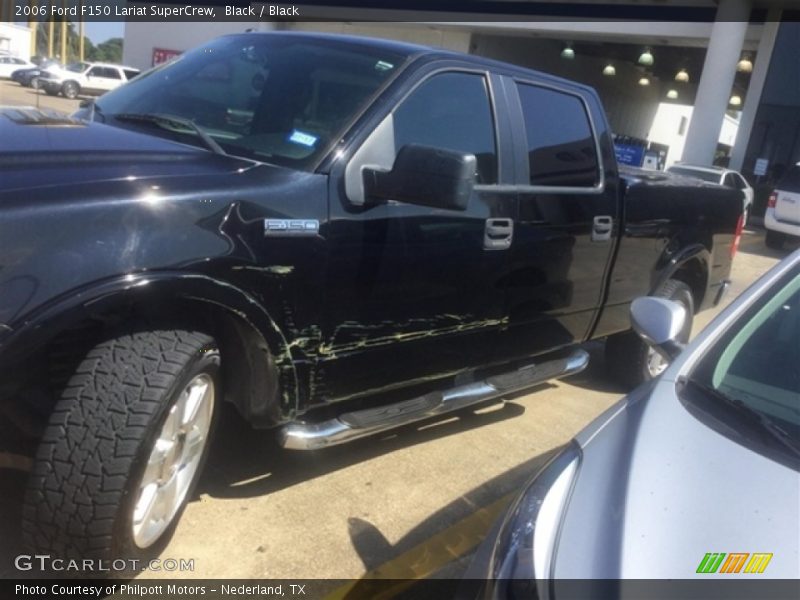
(353, 425)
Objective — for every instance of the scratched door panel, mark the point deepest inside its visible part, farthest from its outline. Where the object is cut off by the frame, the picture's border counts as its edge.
(412, 292)
(412, 295)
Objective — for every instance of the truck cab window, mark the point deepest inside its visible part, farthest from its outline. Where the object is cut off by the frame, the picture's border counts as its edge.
(450, 111)
(561, 148)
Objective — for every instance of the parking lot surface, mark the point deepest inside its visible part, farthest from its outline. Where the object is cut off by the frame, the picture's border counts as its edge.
(411, 503)
(13, 94)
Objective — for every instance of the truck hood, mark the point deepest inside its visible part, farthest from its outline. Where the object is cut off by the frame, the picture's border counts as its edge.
(46, 148)
(658, 488)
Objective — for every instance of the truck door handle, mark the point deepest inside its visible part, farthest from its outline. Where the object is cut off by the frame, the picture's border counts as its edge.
(602, 228)
(498, 234)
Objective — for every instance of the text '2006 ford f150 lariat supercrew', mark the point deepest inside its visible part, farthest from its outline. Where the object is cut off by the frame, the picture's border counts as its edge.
(336, 235)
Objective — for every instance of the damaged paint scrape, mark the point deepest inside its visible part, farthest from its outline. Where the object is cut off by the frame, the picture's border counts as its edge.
(271, 270)
(352, 336)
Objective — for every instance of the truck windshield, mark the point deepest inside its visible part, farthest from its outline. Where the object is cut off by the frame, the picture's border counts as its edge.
(278, 98)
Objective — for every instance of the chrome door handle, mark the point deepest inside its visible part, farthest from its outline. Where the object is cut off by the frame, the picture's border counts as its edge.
(601, 228)
(498, 234)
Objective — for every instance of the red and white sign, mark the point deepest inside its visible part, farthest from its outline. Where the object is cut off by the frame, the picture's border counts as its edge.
(161, 55)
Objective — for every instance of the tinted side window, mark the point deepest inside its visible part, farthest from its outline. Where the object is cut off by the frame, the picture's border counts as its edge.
(790, 181)
(729, 181)
(561, 149)
(130, 74)
(450, 111)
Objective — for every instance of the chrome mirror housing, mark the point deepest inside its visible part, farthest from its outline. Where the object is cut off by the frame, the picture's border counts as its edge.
(658, 322)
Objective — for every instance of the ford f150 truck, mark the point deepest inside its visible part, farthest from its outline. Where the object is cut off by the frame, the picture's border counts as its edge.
(336, 235)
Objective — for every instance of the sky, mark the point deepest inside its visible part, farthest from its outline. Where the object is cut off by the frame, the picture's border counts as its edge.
(101, 31)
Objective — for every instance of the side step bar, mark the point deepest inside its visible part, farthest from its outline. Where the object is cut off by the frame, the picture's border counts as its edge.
(358, 424)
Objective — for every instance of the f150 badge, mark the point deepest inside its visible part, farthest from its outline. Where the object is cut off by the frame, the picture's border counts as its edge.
(293, 227)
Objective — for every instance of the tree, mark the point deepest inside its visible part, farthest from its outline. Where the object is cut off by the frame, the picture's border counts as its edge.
(109, 51)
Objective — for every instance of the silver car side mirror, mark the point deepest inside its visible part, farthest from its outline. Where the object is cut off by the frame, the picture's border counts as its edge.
(659, 322)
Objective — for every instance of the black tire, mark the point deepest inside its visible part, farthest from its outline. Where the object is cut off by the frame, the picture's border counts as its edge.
(626, 354)
(70, 89)
(34, 83)
(774, 239)
(90, 462)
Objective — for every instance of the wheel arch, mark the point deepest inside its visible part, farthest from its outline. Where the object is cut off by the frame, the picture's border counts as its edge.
(258, 371)
(691, 266)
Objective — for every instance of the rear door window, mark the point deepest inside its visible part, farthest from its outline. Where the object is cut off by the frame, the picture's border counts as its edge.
(561, 147)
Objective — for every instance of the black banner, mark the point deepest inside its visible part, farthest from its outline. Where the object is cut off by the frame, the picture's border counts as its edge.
(702, 588)
(371, 10)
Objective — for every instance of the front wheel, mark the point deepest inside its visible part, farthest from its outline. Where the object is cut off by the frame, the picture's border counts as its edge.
(124, 446)
(70, 90)
(630, 360)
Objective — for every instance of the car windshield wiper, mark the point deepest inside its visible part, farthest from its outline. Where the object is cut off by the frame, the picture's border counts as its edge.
(766, 425)
(164, 121)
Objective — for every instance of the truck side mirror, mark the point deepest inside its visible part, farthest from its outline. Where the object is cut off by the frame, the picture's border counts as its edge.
(658, 322)
(424, 176)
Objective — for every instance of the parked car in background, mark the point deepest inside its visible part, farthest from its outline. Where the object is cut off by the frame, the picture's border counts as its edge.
(85, 78)
(29, 77)
(720, 176)
(696, 472)
(782, 219)
(9, 64)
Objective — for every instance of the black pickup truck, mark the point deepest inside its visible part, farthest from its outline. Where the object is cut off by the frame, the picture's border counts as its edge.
(336, 235)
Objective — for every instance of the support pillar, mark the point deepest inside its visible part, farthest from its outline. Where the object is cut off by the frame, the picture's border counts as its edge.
(765, 46)
(716, 81)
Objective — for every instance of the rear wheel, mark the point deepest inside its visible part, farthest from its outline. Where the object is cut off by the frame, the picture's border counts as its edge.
(70, 90)
(34, 83)
(124, 446)
(774, 239)
(629, 359)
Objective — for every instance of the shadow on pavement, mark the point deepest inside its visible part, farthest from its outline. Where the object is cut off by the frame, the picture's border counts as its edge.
(443, 545)
(244, 462)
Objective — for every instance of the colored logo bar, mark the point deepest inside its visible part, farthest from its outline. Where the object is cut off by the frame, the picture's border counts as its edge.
(720, 562)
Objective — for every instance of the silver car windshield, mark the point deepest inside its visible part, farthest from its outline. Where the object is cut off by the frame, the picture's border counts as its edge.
(277, 98)
(756, 366)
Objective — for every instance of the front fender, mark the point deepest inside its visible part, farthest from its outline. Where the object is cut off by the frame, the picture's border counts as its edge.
(35, 329)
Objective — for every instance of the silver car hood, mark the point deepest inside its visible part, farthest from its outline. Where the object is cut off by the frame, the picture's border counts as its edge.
(658, 489)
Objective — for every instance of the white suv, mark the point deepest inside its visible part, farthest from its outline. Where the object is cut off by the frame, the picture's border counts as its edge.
(782, 218)
(85, 78)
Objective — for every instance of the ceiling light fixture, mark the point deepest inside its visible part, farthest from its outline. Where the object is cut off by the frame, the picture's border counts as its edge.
(736, 100)
(609, 70)
(672, 94)
(568, 52)
(646, 58)
(745, 65)
(644, 81)
(682, 76)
